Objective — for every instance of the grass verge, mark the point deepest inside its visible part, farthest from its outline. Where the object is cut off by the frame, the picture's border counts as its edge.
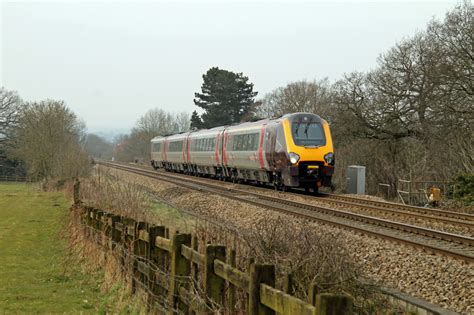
(33, 275)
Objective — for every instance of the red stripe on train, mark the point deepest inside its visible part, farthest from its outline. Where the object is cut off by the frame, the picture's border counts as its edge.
(217, 149)
(225, 148)
(189, 149)
(260, 148)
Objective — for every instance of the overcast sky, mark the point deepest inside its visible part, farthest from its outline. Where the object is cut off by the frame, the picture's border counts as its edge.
(112, 61)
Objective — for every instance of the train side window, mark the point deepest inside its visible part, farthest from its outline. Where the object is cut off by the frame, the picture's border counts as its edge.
(229, 142)
(234, 143)
(240, 139)
(237, 142)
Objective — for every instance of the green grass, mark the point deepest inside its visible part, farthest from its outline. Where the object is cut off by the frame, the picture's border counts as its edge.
(34, 275)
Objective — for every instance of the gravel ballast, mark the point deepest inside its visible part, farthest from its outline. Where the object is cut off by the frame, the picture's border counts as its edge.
(443, 281)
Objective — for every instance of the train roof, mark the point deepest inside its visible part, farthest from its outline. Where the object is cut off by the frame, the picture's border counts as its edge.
(302, 114)
(236, 126)
(157, 138)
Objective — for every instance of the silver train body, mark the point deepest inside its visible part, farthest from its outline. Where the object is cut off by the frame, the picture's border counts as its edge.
(295, 150)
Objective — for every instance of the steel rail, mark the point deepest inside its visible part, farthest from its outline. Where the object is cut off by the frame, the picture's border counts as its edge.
(386, 204)
(396, 212)
(443, 216)
(463, 246)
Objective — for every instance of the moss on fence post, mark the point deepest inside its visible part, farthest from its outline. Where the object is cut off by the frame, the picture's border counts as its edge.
(76, 192)
(156, 256)
(180, 272)
(332, 304)
(288, 284)
(231, 260)
(213, 284)
(259, 274)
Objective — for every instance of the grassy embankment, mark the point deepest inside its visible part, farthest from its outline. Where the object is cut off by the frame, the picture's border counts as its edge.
(35, 273)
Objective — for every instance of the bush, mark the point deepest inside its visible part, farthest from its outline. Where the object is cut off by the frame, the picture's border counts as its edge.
(463, 188)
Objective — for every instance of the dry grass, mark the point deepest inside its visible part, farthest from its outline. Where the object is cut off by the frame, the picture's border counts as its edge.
(103, 192)
(295, 248)
(94, 259)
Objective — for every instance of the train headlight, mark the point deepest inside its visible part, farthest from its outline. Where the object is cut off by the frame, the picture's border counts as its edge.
(329, 158)
(294, 158)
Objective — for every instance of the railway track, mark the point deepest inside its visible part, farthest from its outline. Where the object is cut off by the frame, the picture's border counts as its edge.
(442, 243)
(458, 217)
(394, 209)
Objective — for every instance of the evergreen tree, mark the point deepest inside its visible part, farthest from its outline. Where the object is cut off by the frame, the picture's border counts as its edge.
(196, 122)
(226, 98)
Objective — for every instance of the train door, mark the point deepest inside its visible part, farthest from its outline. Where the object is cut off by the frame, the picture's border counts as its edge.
(164, 156)
(261, 151)
(186, 154)
(223, 151)
(270, 147)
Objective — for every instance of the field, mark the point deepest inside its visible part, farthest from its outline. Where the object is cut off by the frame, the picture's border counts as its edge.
(36, 274)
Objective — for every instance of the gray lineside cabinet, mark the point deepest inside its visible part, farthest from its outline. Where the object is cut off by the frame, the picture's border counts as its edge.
(356, 179)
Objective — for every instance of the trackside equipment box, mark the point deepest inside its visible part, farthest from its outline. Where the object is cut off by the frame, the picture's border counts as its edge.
(356, 179)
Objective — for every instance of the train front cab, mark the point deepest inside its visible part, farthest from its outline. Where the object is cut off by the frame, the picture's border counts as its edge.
(310, 151)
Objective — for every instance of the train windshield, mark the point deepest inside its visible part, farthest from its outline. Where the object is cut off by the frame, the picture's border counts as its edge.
(308, 134)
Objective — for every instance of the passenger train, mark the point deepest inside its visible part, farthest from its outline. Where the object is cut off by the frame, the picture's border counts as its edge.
(295, 150)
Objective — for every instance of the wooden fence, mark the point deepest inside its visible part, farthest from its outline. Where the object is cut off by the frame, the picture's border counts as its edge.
(15, 178)
(178, 278)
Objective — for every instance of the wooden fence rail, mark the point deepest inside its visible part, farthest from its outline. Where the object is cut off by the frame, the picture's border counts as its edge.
(16, 178)
(181, 279)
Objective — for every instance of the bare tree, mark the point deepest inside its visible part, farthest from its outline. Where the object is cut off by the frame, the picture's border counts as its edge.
(301, 96)
(155, 122)
(412, 116)
(48, 139)
(98, 147)
(10, 104)
(182, 122)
